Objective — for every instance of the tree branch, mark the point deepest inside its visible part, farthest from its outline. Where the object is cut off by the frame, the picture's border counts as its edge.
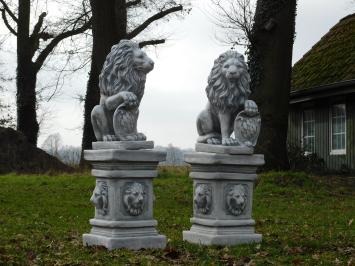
(151, 42)
(8, 10)
(38, 26)
(49, 48)
(153, 18)
(133, 3)
(7, 24)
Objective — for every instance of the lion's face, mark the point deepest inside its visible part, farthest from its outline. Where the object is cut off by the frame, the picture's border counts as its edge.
(125, 68)
(100, 198)
(228, 83)
(133, 199)
(141, 62)
(236, 199)
(203, 198)
(232, 69)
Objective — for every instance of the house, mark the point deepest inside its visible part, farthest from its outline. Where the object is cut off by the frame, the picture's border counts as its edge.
(322, 99)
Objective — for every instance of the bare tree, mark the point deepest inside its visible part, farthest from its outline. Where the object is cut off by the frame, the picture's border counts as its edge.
(36, 42)
(235, 18)
(70, 155)
(52, 144)
(114, 20)
(6, 117)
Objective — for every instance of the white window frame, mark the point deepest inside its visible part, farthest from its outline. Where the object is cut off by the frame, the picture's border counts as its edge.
(302, 127)
(336, 151)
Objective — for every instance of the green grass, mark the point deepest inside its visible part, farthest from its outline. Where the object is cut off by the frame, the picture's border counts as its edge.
(303, 221)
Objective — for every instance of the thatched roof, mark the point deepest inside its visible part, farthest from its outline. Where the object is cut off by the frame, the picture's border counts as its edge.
(330, 60)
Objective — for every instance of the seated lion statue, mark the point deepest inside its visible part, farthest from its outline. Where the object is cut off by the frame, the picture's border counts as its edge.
(227, 92)
(122, 83)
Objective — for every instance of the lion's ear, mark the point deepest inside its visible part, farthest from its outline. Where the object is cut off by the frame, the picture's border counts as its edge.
(241, 57)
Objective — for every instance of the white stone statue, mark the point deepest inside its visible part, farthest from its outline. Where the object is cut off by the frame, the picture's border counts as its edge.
(228, 107)
(122, 83)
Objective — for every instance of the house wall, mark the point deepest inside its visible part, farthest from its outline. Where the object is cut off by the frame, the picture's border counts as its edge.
(323, 129)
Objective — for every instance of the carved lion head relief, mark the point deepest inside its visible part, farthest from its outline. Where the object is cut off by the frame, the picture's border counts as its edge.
(134, 198)
(203, 198)
(100, 197)
(236, 199)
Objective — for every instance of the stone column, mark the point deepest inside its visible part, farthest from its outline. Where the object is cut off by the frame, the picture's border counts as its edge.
(123, 196)
(223, 181)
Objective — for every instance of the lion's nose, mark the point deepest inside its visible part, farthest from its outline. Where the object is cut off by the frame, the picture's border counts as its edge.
(232, 73)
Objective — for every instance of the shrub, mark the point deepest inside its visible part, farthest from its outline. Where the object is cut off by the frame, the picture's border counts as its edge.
(300, 160)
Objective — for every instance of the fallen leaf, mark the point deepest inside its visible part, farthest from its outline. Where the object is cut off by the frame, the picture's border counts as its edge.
(315, 256)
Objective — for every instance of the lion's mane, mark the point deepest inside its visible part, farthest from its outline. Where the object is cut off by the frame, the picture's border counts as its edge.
(222, 94)
(118, 73)
(236, 199)
(203, 198)
(133, 199)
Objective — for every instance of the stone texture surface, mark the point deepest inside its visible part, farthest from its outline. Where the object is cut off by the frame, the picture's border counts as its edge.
(202, 147)
(123, 145)
(203, 158)
(131, 242)
(112, 155)
(223, 198)
(123, 199)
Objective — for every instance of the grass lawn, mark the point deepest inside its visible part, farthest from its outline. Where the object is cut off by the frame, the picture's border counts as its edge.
(304, 221)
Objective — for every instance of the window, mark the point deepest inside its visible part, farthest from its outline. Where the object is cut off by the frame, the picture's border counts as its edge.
(308, 131)
(338, 129)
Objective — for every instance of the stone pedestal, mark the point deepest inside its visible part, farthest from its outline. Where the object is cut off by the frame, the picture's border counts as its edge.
(123, 196)
(223, 180)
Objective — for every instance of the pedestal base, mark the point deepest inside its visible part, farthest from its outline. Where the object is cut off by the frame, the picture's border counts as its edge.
(221, 240)
(221, 235)
(223, 183)
(123, 196)
(131, 242)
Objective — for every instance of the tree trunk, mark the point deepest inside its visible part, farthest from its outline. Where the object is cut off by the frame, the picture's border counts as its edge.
(26, 77)
(270, 64)
(109, 26)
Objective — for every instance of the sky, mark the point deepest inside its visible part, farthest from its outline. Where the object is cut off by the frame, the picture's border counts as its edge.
(175, 89)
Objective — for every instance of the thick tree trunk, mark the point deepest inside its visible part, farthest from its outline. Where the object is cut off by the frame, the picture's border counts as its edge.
(270, 67)
(26, 77)
(26, 102)
(109, 26)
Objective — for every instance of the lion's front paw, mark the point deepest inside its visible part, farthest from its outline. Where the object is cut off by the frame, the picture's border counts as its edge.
(251, 108)
(129, 99)
(229, 142)
(109, 138)
(214, 141)
(141, 136)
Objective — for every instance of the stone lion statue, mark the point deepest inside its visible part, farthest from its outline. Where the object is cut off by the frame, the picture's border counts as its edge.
(100, 198)
(203, 198)
(122, 83)
(134, 198)
(227, 92)
(236, 199)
